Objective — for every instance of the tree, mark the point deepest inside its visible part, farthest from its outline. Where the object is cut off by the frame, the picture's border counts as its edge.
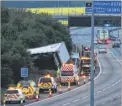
(21, 30)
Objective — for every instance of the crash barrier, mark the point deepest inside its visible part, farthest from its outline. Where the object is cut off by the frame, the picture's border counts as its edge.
(60, 89)
(69, 87)
(50, 93)
(4, 103)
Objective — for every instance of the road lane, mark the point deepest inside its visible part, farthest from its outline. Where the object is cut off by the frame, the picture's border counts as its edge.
(106, 86)
(107, 83)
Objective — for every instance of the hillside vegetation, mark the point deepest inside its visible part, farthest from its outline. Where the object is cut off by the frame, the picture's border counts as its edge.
(22, 30)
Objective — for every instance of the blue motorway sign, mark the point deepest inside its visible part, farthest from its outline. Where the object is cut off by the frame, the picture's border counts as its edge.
(105, 7)
(24, 72)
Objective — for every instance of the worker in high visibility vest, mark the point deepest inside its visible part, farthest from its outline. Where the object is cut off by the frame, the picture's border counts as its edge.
(58, 72)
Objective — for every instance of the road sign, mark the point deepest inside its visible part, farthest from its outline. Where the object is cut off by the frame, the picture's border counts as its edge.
(107, 25)
(105, 7)
(24, 72)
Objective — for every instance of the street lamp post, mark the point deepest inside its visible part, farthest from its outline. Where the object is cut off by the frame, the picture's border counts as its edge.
(92, 58)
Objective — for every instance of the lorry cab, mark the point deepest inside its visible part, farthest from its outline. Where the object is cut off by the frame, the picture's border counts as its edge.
(69, 73)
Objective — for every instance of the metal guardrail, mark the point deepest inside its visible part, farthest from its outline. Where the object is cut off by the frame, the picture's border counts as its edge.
(83, 35)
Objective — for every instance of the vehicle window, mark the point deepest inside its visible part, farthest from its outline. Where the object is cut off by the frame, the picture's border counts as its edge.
(45, 80)
(25, 86)
(86, 61)
(24, 83)
(102, 47)
(11, 91)
(67, 73)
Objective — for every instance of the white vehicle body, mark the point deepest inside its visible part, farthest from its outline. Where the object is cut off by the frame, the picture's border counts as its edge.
(59, 50)
(63, 53)
(14, 95)
(102, 50)
(102, 35)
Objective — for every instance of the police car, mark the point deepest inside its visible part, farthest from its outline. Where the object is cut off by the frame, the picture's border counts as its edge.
(14, 95)
(47, 82)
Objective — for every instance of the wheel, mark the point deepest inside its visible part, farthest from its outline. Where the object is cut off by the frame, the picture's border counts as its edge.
(55, 89)
(40, 91)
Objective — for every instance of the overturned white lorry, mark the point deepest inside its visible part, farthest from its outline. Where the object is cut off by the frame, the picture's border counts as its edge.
(51, 56)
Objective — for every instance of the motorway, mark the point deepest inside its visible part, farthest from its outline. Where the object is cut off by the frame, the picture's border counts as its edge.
(107, 83)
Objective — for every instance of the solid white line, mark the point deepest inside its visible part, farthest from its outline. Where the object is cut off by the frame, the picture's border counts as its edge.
(71, 90)
(84, 97)
(115, 57)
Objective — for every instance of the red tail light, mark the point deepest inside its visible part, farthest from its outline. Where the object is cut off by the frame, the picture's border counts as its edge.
(18, 95)
(5, 95)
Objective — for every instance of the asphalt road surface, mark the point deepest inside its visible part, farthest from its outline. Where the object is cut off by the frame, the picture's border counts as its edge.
(107, 88)
(107, 84)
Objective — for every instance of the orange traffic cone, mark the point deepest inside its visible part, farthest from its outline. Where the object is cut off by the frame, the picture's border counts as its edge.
(21, 103)
(78, 83)
(60, 89)
(89, 78)
(37, 97)
(50, 93)
(84, 81)
(4, 103)
(69, 87)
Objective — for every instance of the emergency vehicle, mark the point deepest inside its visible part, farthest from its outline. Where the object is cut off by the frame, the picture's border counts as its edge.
(85, 65)
(86, 53)
(28, 88)
(47, 82)
(69, 73)
(14, 95)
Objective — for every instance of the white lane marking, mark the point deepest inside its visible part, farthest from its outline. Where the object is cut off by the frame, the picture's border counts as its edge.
(117, 97)
(76, 100)
(71, 90)
(115, 57)
(66, 104)
(84, 97)
(106, 87)
(99, 91)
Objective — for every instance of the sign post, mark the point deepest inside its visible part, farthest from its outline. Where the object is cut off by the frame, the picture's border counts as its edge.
(92, 58)
(99, 7)
(24, 72)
